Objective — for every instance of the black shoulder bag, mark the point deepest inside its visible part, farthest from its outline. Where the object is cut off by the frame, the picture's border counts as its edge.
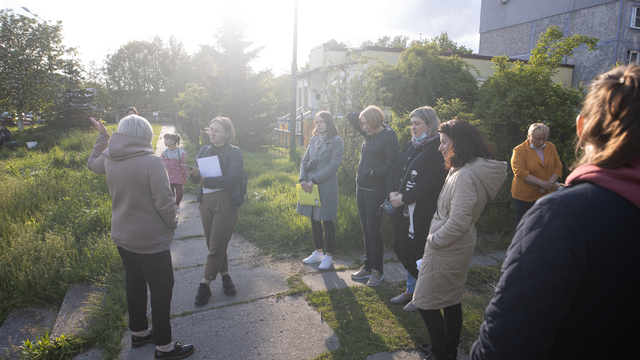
(387, 207)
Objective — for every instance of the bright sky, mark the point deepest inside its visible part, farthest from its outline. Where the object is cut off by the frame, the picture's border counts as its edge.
(99, 28)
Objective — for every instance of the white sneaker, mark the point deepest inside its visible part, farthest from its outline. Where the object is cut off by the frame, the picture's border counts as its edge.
(410, 307)
(314, 258)
(326, 262)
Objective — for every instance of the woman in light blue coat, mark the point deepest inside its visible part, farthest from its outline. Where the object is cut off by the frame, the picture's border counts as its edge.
(320, 166)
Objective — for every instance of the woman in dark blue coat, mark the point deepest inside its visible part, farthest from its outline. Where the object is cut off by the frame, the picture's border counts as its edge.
(568, 285)
(413, 186)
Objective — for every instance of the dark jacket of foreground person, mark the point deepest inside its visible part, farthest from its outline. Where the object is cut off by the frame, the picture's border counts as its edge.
(568, 288)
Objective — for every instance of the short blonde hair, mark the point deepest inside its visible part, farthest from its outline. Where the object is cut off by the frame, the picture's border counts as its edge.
(228, 127)
(538, 128)
(372, 115)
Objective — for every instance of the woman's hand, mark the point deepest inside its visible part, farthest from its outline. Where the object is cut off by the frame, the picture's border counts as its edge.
(99, 126)
(194, 172)
(307, 186)
(396, 200)
(547, 186)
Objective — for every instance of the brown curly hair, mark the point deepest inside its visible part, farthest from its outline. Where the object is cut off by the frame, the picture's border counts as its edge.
(467, 143)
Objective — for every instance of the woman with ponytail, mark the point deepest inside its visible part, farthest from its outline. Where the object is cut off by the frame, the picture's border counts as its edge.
(566, 288)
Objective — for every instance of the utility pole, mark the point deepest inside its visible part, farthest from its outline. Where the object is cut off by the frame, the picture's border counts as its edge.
(294, 85)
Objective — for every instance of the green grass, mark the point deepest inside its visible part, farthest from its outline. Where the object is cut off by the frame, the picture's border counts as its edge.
(367, 323)
(54, 230)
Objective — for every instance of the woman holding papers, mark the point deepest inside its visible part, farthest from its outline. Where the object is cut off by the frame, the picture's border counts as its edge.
(566, 286)
(218, 170)
(319, 168)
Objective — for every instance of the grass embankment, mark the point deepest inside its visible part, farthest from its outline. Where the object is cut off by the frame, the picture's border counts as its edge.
(54, 230)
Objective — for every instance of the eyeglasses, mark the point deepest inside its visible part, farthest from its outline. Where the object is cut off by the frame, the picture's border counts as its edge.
(216, 131)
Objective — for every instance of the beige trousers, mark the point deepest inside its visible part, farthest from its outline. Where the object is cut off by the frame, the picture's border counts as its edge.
(218, 221)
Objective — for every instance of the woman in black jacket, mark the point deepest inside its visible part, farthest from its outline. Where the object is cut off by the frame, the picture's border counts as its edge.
(413, 186)
(379, 153)
(566, 290)
(218, 216)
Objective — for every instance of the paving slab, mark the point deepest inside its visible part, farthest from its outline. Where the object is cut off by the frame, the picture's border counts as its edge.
(22, 324)
(189, 206)
(327, 280)
(192, 252)
(338, 262)
(274, 328)
(482, 261)
(92, 354)
(499, 255)
(73, 318)
(251, 283)
(188, 227)
(397, 355)
(408, 355)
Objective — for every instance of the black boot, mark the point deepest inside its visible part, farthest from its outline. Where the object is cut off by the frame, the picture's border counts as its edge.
(227, 285)
(203, 295)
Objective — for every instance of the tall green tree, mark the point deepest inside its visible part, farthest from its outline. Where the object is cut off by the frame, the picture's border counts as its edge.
(138, 72)
(444, 44)
(520, 94)
(236, 91)
(421, 77)
(36, 69)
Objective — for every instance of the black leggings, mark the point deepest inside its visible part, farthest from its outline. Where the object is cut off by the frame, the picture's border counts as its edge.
(444, 332)
(329, 235)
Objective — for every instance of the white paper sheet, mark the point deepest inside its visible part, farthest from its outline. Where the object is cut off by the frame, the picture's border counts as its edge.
(209, 167)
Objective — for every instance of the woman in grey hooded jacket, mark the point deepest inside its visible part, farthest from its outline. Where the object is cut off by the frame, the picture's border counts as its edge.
(143, 221)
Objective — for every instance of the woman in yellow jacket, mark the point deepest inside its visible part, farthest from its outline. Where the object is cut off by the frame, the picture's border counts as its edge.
(536, 167)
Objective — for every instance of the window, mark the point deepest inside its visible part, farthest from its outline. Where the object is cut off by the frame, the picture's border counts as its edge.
(635, 17)
(633, 57)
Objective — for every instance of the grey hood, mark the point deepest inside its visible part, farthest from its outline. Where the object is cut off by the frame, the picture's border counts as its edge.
(124, 146)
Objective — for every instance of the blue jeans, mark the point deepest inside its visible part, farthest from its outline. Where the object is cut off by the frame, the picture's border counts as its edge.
(411, 283)
(157, 271)
(369, 202)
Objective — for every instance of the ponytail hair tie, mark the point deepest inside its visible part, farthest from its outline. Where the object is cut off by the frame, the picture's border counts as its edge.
(622, 79)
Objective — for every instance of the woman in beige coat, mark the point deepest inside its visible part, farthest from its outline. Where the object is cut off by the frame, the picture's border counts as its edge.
(473, 179)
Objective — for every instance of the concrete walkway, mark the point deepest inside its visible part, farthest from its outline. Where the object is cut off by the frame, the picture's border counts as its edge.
(256, 323)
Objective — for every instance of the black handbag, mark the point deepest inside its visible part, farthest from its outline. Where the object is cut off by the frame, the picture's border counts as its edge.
(389, 209)
(387, 206)
(239, 192)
